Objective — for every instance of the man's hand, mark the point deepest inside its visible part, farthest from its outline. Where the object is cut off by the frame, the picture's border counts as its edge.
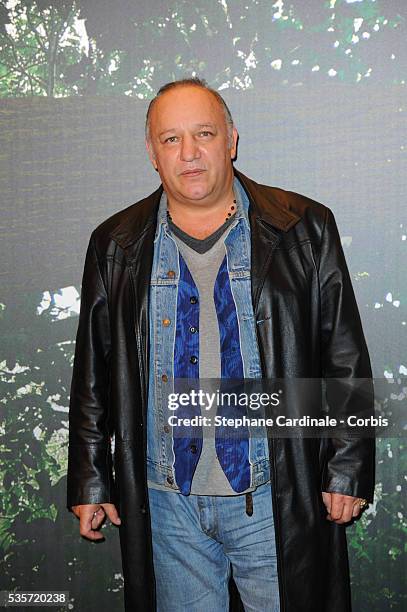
(91, 516)
(341, 508)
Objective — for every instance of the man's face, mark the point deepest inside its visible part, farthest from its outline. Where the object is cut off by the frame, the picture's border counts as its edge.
(190, 145)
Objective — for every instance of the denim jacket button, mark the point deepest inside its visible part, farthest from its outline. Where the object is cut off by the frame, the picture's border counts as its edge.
(193, 359)
(171, 274)
(170, 480)
(164, 378)
(193, 329)
(166, 322)
(193, 448)
(167, 428)
(193, 299)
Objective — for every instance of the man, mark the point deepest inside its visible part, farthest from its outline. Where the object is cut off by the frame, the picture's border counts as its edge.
(214, 276)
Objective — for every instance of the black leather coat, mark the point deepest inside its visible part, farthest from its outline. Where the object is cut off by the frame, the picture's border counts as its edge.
(310, 327)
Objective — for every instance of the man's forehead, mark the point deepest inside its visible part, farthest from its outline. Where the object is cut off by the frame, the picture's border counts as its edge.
(188, 101)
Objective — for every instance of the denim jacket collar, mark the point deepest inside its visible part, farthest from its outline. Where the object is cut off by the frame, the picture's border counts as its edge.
(269, 204)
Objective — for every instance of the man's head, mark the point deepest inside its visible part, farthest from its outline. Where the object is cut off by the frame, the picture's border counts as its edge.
(191, 141)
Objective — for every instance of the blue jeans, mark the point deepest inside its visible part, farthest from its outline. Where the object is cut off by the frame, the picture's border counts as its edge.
(199, 539)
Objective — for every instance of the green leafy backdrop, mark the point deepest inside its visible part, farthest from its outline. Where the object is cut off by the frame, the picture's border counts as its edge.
(66, 164)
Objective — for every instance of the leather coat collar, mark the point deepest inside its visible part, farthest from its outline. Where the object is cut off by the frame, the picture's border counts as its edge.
(267, 204)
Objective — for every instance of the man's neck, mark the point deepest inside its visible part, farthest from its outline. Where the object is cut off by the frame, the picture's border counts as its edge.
(200, 220)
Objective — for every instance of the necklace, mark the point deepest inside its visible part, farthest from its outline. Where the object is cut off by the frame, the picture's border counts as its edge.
(231, 208)
(229, 214)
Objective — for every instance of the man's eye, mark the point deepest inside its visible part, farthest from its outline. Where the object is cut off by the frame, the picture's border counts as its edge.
(171, 139)
(205, 133)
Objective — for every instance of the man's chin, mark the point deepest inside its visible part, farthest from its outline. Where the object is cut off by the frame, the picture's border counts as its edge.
(195, 194)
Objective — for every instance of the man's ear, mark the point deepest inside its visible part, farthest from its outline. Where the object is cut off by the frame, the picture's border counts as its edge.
(151, 155)
(233, 148)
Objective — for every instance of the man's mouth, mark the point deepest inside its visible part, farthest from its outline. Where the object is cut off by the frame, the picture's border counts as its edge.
(193, 172)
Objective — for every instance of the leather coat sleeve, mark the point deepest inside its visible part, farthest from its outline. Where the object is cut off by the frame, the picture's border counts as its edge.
(89, 458)
(350, 460)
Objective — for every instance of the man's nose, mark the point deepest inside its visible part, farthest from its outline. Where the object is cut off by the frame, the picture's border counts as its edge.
(189, 149)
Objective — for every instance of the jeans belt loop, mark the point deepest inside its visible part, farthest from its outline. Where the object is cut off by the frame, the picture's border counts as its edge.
(249, 504)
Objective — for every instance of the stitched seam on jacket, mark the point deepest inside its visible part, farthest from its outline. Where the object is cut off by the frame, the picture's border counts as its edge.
(107, 417)
(322, 238)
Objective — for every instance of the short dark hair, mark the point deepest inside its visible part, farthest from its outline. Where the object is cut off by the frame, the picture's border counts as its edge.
(196, 82)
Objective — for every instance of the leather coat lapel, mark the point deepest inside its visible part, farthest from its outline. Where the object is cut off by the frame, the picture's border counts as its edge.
(269, 220)
(264, 241)
(136, 237)
(270, 203)
(140, 265)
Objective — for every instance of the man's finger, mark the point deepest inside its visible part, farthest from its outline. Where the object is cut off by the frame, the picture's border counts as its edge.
(85, 526)
(346, 512)
(356, 509)
(326, 498)
(91, 517)
(344, 508)
(337, 506)
(112, 513)
(98, 518)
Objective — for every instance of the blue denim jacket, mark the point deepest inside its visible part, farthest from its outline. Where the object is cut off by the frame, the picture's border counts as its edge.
(169, 281)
